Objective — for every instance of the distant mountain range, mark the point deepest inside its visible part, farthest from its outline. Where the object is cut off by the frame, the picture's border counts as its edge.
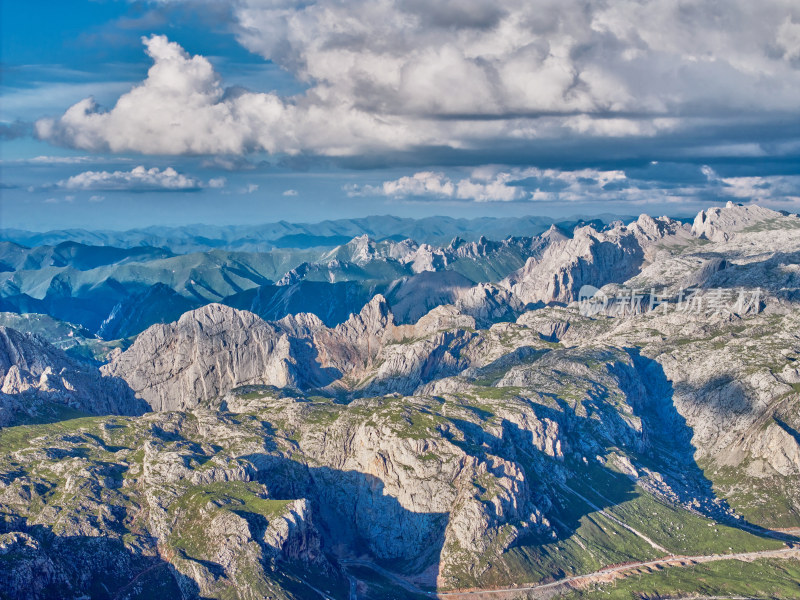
(116, 291)
(259, 238)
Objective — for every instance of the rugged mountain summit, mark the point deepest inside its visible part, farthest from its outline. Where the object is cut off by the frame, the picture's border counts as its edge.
(591, 257)
(721, 224)
(216, 348)
(206, 352)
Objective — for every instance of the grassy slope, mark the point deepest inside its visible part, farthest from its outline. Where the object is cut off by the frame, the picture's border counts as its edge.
(772, 578)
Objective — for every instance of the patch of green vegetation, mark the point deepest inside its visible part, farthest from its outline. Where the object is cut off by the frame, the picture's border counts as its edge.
(429, 456)
(683, 532)
(678, 530)
(406, 341)
(496, 393)
(414, 423)
(52, 412)
(235, 495)
(690, 245)
(595, 543)
(20, 436)
(322, 411)
(199, 504)
(480, 409)
(770, 578)
(594, 478)
(254, 392)
(766, 501)
(254, 395)
(772, 225)
(487, 485)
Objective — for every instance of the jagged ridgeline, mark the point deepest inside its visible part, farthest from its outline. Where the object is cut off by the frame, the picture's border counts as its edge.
(157, 275)
(393, 419)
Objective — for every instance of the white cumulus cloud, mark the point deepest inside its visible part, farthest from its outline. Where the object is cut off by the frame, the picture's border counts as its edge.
(789, 39)
(181, 108)
(494, 184)
(461, 74)
(138, 178)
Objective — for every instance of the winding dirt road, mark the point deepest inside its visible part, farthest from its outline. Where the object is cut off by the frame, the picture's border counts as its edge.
(609, 573)
(550, 590)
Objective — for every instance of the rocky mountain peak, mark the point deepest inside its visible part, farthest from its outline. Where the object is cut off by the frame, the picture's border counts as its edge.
(298, 273)
(207, 351)
(373, 320)
(589, 257)
(654, 228)
(24, 350)
(216, 317)
(362, 249)
(300, 324)
(553, 234)
(721, 224)
(650, 231)
(36, 378)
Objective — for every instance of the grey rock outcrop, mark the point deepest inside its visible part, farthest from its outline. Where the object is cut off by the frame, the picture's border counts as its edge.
(37, 378)
(206, 352)
(721, 224)
(588, 258)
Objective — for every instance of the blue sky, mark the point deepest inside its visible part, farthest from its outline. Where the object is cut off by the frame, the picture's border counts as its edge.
(120, 114)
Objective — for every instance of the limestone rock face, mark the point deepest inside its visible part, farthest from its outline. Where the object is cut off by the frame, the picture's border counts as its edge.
(649, 231)
(36, 377)
(588, 258)
(354, 343)
(292, 535)
(488, 303)
(778, 448)
(441, 318)
(206, 352)
(551, 324)
(721, 224)
(594, 258)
